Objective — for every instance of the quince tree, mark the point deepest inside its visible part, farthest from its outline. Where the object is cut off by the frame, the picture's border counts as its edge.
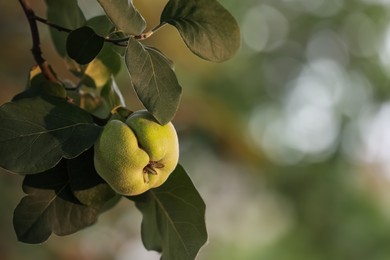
(79, 147)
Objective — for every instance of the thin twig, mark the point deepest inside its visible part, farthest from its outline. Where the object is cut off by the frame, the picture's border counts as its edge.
(146, 35)
(36, 49)
(119, 42)
(123, 42)
(67, 30)
(55, 26)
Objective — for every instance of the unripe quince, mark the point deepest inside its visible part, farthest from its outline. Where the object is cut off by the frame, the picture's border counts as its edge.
(136, 155)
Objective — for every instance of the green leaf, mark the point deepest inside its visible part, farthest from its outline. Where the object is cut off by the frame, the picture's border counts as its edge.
(35, 133)
(206, 27)
(173, 218)
(101, 25)
(88, 187)
(50, 207)
(83, 45)
(65, 13)
(124, 16)
(154, 80)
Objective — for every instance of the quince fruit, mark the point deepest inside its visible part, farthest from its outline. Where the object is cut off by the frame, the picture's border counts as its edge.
(136, 155)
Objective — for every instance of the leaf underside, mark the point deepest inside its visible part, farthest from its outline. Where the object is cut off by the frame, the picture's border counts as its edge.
(154, 80)
(206, 27)
(124, 16)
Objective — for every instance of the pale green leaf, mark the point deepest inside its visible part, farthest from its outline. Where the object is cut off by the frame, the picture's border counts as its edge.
(207, 28)
(154, 80)
(124, 16)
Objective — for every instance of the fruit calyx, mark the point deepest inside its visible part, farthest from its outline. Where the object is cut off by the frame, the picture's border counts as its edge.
(150, 169)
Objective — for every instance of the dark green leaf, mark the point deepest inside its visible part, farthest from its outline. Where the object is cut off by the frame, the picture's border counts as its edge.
(207, 28)
(124, 16)
(88, 187)
(65, 13)
(154, 80)
(35, 133)
(173, 218)
(50, 207)
(83, 45)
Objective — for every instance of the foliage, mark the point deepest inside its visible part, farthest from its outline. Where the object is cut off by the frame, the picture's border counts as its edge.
(171, 218)
(47, 132)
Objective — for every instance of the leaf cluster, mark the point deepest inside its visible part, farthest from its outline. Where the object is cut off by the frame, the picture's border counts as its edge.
(47, 132)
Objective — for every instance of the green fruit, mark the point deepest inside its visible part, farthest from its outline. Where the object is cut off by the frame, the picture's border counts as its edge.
(51, 89)
(40, 86)
(95, 196)
(136, 155)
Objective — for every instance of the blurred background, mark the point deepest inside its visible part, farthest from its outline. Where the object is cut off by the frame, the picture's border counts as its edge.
(288, 142)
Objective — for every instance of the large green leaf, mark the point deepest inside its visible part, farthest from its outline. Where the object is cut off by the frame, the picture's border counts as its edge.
(35, 133)
(124, 16)
(154, 80)
(50, 207)
(206, 27)
(65, 13)
(173, 218)
(83, 44)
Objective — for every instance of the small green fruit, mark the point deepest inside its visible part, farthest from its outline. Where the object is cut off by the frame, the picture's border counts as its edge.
(40, 86)
(87, 186)
(136, 155)
(95, 196)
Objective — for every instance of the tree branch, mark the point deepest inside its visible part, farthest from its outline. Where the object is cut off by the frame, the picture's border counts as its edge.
(36, 49)
(119, 42)
(55, 26)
